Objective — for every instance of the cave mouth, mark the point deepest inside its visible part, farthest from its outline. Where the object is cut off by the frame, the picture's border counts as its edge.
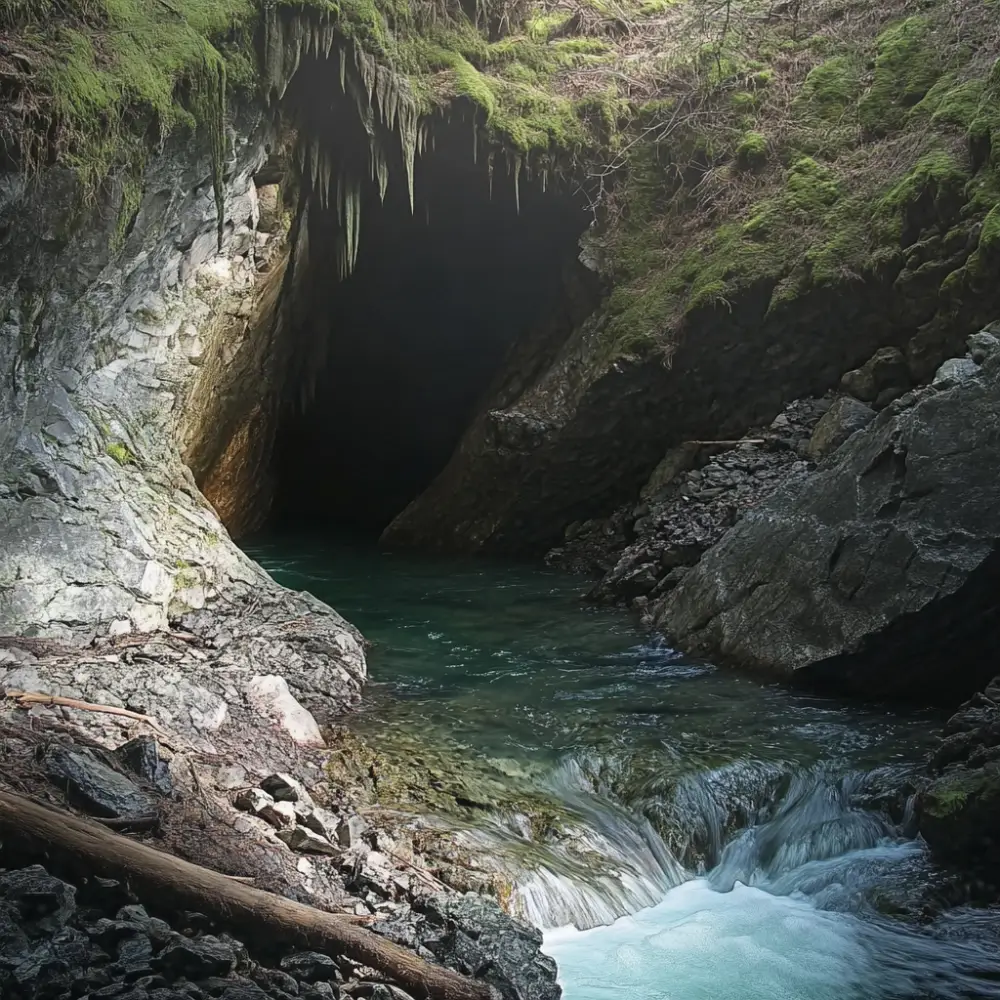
(404, 348)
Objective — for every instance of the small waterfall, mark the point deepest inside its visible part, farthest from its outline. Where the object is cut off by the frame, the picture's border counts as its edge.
(749, 823)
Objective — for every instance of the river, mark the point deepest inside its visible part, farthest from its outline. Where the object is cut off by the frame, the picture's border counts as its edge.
(732, 839)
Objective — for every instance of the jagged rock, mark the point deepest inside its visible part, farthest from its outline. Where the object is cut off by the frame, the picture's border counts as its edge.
(270, 696)
(844, 417)
(953, 371)
(253, 800)
(886, 368)
(281, 815)
(871, 571)
(269, 207)
(321, 991)
(472, 934)
(142, 757)
(39, 898)
(303, 839)
(982, 345)
(310, 966)
(351, 830)
(95, 786)
(319, 820)
(285, 788)
(196, 959)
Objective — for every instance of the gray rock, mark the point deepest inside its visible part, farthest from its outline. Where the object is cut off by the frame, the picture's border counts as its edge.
(281, 815)
(982, 345)
(310, 966)
(886, 367)
(844, 417)
(953, 371)
(302, 839)
(870, 572)
(95, 786)
(196, 959)
(472, 934)
(40, 898)
(351, 831)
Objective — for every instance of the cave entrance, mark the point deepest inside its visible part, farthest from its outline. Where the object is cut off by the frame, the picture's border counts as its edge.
(402, 349)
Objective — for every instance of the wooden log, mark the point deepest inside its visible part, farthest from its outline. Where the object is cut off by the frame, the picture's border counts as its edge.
(176, 883)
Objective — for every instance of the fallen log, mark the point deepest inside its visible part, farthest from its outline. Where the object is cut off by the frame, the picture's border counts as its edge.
(174, 882)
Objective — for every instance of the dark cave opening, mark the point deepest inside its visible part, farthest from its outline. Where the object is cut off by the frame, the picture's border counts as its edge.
(412, 338)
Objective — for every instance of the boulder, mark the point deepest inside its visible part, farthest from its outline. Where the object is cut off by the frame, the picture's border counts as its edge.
(844, 417)
(270, 696)
(868, 573)
(953, 371)
(983, 345)
(886, 367)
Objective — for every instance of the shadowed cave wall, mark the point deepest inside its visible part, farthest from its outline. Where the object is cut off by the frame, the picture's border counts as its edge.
(403, 349)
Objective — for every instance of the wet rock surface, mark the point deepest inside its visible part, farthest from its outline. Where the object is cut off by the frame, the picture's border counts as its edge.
(870, 572)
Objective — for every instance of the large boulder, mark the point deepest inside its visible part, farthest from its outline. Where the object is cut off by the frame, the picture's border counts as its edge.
(885, 369)
(874, 571)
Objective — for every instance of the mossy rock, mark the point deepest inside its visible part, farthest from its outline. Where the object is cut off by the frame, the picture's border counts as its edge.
(960, 814)
(907, 66)
(751, 152)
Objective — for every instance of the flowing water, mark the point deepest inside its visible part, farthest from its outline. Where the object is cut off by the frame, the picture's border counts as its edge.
(719, 838)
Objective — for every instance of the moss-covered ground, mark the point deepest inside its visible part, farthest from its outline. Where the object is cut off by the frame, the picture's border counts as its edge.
(724, 147)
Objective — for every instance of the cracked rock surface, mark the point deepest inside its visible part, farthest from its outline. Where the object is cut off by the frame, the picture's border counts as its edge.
(871, 571)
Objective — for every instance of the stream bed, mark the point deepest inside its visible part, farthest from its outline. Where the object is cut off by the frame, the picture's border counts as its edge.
(732, 839)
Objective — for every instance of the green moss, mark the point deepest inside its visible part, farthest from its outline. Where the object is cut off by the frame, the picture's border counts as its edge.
(131, 198)
(989, 236)
(751, 152)
(120, 453)
(830, 90)
(115, 70)
(950, 103)
(907, 66)
(936, 182)
(541, 26)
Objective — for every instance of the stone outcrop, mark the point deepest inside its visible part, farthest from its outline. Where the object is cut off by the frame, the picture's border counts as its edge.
(960, 809)
(876, 569)
(694, 496)
(137, 346)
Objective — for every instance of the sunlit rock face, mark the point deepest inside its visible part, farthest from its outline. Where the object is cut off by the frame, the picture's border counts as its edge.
(128, 348)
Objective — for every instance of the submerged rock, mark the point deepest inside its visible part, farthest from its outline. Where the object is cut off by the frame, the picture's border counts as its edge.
(870, 572)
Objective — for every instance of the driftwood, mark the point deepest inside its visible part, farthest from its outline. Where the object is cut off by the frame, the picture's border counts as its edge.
(181, 884)
(25, 698)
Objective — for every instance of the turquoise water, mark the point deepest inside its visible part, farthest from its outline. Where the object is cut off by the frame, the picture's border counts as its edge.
(750, 840)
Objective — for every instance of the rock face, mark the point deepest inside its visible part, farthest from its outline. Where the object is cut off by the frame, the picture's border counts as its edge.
(876, 570)
(133, 350)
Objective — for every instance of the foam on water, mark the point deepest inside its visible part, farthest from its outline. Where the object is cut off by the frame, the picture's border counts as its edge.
(700, 943)
(752, 943)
